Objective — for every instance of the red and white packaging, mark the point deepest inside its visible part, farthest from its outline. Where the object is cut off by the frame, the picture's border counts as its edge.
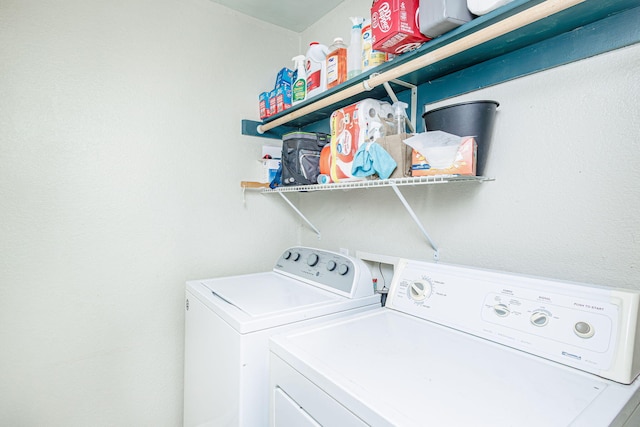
(396, 26)
(351, 127)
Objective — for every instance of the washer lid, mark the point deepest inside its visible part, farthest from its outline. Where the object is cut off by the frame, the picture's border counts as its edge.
(259, 301)
(267, 294)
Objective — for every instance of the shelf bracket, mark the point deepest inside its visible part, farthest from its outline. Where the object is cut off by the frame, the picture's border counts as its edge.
(414, 99)
(301, 215)
(413, 215)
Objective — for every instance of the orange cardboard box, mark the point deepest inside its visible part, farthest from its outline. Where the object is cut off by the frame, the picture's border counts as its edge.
(464, 163)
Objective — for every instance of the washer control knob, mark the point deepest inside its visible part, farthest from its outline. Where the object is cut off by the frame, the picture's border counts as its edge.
(295, 256)
(539, 318)
(343, 269)
(584, 330)
(501, 310)
(286, 255)
(331, 265)
(312, 260)
(420, 290)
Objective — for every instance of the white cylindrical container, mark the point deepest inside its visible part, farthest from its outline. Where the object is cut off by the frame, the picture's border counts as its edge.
(354, 52)
(370, 57)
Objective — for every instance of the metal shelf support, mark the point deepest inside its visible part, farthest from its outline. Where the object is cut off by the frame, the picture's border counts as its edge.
(413, 215)
(414, 99)
(393, 183)
(301, 215)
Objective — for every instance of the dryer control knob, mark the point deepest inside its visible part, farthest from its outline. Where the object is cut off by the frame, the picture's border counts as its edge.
(420, 290)
(584, 330)
(295, 256)
(286, 255)
(501, 310)
(331, 265)
(312, 260)
(343, 269)
(539, 318)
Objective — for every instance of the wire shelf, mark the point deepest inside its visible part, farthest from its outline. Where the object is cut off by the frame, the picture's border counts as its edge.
(372, 183)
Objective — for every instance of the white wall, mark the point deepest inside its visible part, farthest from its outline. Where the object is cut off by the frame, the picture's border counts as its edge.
(564, 204)
(120, 157)
(120, 163)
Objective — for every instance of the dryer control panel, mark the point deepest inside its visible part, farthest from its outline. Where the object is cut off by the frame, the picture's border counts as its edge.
(589, 327)
(332, 271)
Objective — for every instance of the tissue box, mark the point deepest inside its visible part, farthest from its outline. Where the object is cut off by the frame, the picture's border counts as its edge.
(400, 152)
(464, 163)
(395, 27)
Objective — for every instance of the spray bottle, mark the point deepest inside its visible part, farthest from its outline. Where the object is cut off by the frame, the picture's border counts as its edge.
(400, 116)
(354, 52)
(299, 87)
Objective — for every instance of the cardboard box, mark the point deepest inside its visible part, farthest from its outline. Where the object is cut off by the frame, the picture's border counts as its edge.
(283, 97)
(400, 152)
(395, 25)
(464, 163)
(284, 76)
(272, 102)
(263, 103)
(269, 169)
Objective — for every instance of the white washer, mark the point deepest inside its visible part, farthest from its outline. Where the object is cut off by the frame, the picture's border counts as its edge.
(228, 322)
(457, 346)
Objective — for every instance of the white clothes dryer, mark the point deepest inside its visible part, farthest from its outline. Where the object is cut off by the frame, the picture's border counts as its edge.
(461, 347)
(228, 322)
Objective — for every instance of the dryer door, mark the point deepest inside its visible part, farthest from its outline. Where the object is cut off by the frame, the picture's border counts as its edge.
(288, 413)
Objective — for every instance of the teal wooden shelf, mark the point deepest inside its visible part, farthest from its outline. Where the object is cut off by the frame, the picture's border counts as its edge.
(508, 46)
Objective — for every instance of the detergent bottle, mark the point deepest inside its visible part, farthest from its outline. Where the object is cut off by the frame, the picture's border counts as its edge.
(299, 87)
(316, 69)
(354, 51)
(336, 63)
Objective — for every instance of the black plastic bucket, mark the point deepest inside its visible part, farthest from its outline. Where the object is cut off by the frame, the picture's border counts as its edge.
(475, 118)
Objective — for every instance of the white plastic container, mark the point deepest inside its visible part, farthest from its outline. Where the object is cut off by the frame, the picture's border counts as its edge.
(316, 69)
(440, 16)
(481, 7)
(370, 58)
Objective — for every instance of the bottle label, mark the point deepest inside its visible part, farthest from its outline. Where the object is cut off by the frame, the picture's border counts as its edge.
(313, 81)
(332, 69)
(299, 91)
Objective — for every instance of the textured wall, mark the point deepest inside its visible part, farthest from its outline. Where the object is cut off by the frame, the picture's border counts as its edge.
(564, 203)
(120, 162)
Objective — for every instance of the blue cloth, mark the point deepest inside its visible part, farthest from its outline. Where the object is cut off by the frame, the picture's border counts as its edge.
(372, 158)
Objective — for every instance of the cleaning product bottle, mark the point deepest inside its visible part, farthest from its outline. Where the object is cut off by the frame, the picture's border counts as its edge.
(299, 87)
(316, 68)
(400, 116)
(354, 52)
(336, 63)
(370, 57)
